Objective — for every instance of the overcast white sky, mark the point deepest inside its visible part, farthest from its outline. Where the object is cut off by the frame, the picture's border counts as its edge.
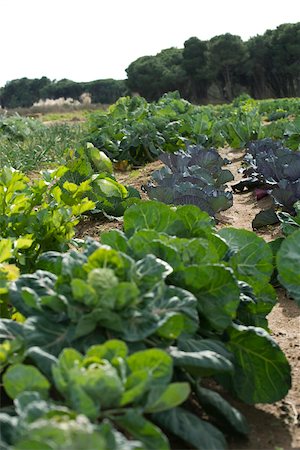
(85, 40)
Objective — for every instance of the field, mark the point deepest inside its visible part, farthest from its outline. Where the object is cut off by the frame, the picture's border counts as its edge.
(128, 322)
(271, 426)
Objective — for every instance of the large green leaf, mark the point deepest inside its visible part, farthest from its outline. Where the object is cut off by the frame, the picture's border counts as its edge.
(199, 345)
(218, 407)
(251, 258)
(43, 360)
(156, 361)
(116, 239)
(172, 326)
(73, 265)
(193, 222)
(149, 216)
(31, 292)
(288, 265)
(140, 428)
(8, 426)
(192, 430)
(201, 363)
(115, 440)
(144, 242)
(81, 402)
(10, 329)
(21, 377)
(173, 395)
(262, 372)
(31, 406)
(137, 383)
(170, 302)
(150, 270)
(50, 261)
(49, 336)
(256, 303)
(216, 291)
(111, 349)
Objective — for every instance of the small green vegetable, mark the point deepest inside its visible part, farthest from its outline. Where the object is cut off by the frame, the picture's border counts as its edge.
(102, 279)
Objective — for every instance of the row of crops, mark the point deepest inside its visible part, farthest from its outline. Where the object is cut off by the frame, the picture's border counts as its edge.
(115, 343)
(135, 131)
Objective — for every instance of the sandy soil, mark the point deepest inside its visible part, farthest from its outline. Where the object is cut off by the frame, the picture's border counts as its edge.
(273, 426)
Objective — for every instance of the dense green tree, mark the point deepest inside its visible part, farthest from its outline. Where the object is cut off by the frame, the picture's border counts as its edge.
(144, 76)
(285, 46)
(195, 64)
(105, 91)
(23, 92)
(227, 59)
(173, 75)
(62, 88)
(258, 60)
(152, 76)
(274, 62)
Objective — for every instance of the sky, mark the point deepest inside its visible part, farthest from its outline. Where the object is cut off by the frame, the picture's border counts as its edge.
(85, 40)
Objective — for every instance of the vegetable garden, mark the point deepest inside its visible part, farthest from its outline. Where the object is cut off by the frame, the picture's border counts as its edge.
(151, 335)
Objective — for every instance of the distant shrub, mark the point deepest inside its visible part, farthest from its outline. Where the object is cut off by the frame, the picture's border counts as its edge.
(58, 102)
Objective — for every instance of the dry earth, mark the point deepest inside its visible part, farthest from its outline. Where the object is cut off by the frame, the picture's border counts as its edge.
(272, 427)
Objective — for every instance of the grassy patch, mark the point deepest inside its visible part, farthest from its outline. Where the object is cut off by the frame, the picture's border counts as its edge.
(31, 145)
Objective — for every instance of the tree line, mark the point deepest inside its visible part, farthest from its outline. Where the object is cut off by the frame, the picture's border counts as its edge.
(219, 69)
(224, 67)
(24, 92)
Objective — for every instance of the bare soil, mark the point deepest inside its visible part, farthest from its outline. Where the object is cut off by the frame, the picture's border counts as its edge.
(272, 427)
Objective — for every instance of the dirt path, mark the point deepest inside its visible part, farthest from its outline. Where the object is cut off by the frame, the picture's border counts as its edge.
(245, 206)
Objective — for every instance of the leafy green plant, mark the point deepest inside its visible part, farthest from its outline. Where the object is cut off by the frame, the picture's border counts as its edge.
(243, 125)
(273, 170)
(28, 144)
(138, 132)
(105, 385)
(193, 176)
(168, 282)
(134, 303)
(41, 214)
(93, 166)
(17, 127)
(9, 249)
(228, 273)
(288, 263)
(290, 223)
(292, 134)
(127, 132)
(37, 215)
(277, 114)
